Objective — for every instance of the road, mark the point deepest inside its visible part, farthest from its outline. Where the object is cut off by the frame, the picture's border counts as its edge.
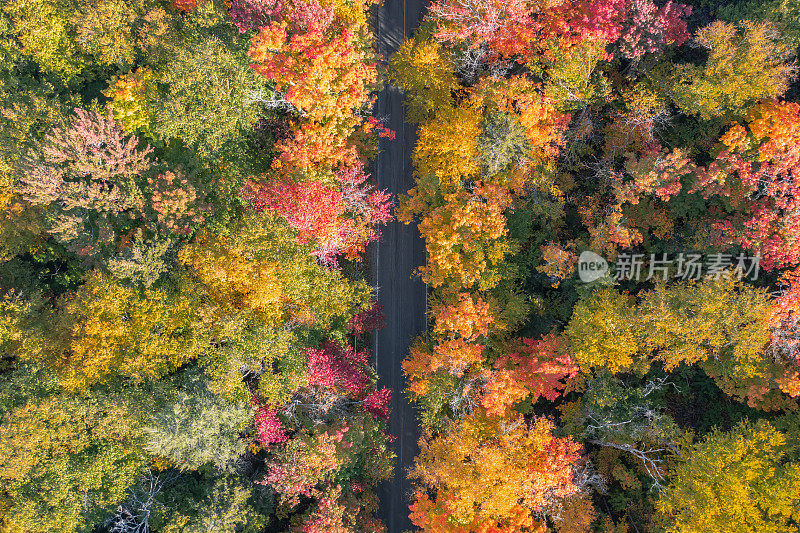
(395, 258)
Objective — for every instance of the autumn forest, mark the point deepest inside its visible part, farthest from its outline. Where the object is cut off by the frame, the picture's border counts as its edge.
(608, 194)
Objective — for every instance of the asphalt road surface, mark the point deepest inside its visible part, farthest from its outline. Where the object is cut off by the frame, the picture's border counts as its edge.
(400, 252)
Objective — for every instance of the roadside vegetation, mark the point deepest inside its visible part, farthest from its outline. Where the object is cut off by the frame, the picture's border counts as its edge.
(184, 205)
(577, 162)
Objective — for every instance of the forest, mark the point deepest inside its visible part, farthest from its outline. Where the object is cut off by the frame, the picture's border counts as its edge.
(608, 192)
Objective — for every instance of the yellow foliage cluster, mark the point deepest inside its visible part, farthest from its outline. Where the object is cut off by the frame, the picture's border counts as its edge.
(601, 331)
(464, 239)
(422, 70)
(107, 329)
(746, 63)
(719, 323)
(234, 280)
(447, 147)
(486, 468)
(737, 481)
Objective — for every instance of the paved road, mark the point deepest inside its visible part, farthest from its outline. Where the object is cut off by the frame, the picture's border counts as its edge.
(399, 253)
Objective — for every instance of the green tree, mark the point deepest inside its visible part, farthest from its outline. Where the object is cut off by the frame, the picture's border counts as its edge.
(43, 27)
(221, 503)
(785, 14)
(502, 142)
(226, 509)
(212, 96)
(198, 428)
(69, 38)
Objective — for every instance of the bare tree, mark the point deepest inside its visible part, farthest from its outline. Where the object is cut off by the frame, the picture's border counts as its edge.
(133, 516)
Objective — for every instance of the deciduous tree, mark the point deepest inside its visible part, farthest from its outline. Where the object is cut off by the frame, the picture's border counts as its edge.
(341, 220)
(447, 146)
(106, 330)
(210, 97)
(746, 63)
(422, 69)
(464, 315)
(743, 480)
(88, 166)
(601, 331)
(465, 241)
(758, 172)
(785, 319)
(454, 356)
(488, 471)
(198, 428)
(649, 28)
(60, 451)
(254, 14)
(539, 369)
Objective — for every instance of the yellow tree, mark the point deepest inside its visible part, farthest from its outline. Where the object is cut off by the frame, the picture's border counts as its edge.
(264, 285)
(426, 76)
(746, 63)
(259, 266)
(489, 471)
(106, 329)
(465, 241)
(235, 280)
(719, 323)
(601, 331)
(738, 482)
(447, 146)
(714, 319)
(59, 451)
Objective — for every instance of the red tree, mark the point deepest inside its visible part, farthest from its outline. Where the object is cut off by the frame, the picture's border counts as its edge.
(521, 27)
(341, 220)
(759, 170)
(368, 319)
(785, 319)
(649, 29)
(334, 367)
(539, 369)
(184, 5)
(377, 402)
(254, 14)
(269, 429)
